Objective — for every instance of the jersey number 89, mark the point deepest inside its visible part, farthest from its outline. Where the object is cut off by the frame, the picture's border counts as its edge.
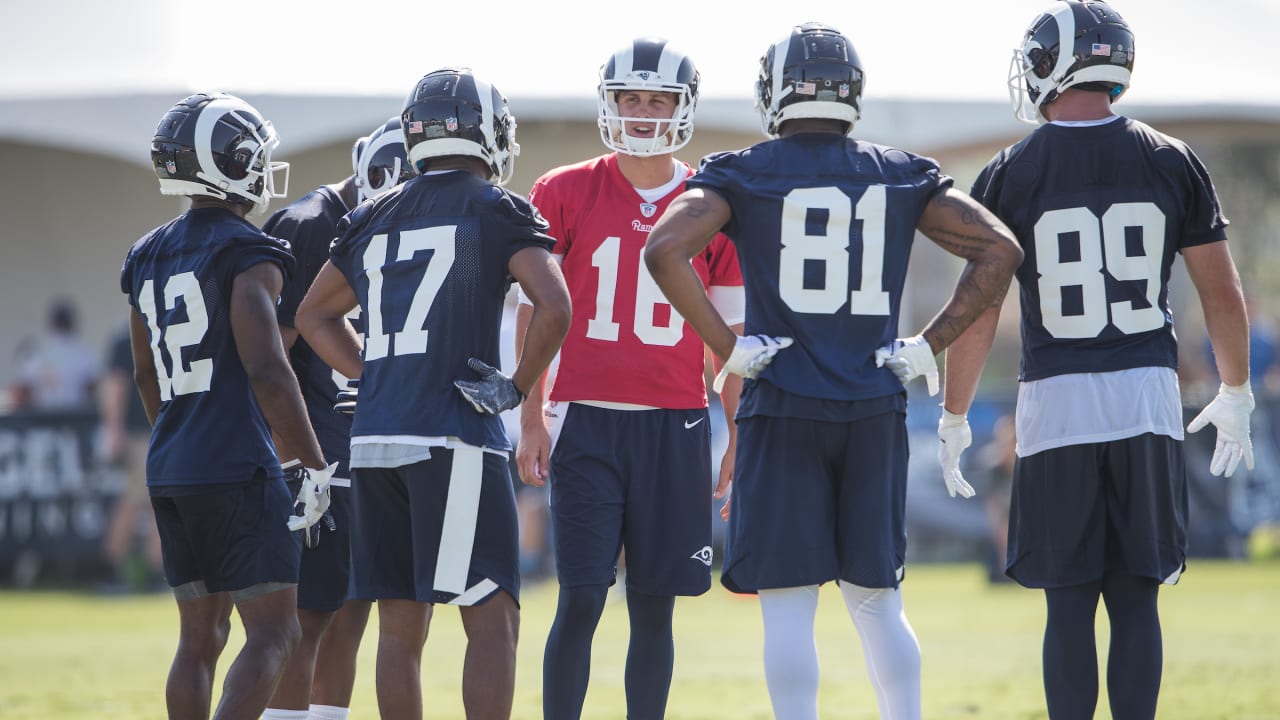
(1104, 246)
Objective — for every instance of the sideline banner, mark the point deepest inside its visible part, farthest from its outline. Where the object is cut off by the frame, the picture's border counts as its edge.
(55, 498)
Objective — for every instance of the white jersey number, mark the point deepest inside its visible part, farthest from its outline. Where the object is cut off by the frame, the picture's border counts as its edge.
(1104, 245)
(413, 338)
(831, 248)
(648, 297)
(186, 380)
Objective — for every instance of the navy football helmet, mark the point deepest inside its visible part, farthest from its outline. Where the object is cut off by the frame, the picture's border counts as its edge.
(812, 72)
(379, 160)
(1069, 44)
(217, 145)
(647, 64)
(453, 112)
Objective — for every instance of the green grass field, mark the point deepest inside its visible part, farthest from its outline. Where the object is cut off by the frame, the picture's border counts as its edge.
(66, 655)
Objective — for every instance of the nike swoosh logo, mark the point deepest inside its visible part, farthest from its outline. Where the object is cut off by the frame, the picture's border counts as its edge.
(688, 424)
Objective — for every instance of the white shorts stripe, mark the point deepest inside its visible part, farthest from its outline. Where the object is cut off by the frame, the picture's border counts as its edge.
(475, 593)
(458, 535)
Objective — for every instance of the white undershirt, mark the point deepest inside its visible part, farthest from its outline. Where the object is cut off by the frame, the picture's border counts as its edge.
(1081, 408)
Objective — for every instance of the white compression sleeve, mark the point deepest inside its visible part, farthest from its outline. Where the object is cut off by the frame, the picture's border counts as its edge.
(790, 653)
(890, 647)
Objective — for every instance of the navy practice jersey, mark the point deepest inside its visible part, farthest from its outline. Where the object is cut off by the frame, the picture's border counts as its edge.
(179, 278)
(310, 225)
(428, 262)
(824, 226)
(1100, 212)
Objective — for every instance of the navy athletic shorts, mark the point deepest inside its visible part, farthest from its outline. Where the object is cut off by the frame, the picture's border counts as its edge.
(815, 501)
(1082, 510)
(438, 531)
(634, 479)
(231, 537)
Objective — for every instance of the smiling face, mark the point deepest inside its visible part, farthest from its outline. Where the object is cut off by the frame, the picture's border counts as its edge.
(643, 105)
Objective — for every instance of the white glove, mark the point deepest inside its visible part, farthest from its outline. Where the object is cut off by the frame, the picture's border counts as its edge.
(751, 355)
(313, 498)
(1229, 411)
(954, 436)
(910, 358)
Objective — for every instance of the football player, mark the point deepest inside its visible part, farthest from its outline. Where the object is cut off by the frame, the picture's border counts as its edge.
(631, 468)
(321, 674)
(1101, 204)
(823, 224)
(429, 264)
(215, 381)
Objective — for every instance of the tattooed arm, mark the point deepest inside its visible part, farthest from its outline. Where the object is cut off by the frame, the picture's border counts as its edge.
(964, 228)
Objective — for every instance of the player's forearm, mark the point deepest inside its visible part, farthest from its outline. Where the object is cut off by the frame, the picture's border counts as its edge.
(982, 286)
(1227, 321)
(334, 341)
(276, 390)
(548, 325)
(149, 390)
(684, 290)
(965, 360)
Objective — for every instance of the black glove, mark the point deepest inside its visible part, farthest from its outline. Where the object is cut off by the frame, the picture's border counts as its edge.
(347, 398)
(492, 393)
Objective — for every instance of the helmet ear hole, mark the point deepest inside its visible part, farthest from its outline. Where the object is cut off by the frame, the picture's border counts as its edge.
(378, 161)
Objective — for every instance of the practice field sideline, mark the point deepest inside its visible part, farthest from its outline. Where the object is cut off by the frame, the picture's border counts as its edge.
(69, 655)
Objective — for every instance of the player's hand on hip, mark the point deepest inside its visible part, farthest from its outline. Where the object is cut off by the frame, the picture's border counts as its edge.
(493, 393)
(751, 355)
(313, 498)
(346, 403)
(954, 436)
(1229, 412)
(910, 358)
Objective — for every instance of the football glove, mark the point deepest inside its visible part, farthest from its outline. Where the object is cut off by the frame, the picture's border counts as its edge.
(493, 393)
(751, 355)
(347, 398)
(313, 498)
(954, 436)
(1229, 412)
(910, 358)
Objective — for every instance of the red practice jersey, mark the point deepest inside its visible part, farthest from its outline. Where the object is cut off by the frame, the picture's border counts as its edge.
(626, 343)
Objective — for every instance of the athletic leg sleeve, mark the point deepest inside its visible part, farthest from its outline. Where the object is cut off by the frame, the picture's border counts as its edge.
(1136, 658)
(566, 664)
(1070, 654)
(889, 646)
(790, 653)
(650, 655)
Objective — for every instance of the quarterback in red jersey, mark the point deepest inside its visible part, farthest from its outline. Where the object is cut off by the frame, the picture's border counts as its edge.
(631, 467)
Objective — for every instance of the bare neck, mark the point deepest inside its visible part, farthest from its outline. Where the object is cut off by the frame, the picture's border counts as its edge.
(646, 172)
(347, 191)
(199, 202)
(1077, 105)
